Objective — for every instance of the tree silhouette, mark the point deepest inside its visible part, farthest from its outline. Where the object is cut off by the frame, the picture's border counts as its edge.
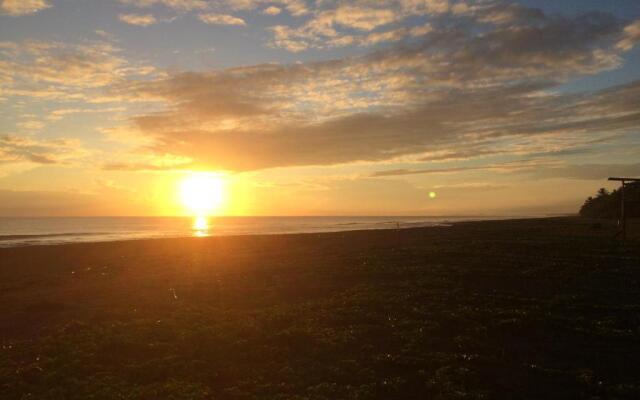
(607, 204)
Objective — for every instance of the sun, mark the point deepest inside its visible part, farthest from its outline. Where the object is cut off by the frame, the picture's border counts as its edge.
(202, 193)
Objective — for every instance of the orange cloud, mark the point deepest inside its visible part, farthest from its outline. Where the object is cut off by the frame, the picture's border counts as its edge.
(271, 10)
(15, 149)
(137, 19)
(23, 7)
(221, 19)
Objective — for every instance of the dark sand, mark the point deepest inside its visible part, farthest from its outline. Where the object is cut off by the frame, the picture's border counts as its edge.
(535, 309)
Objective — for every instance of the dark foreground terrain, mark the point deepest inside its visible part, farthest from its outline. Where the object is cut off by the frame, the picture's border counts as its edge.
(532, 309)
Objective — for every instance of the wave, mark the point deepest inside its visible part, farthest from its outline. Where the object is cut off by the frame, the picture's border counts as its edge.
(49, 235)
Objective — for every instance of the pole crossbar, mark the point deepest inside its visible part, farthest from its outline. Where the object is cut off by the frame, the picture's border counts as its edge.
(613, 178)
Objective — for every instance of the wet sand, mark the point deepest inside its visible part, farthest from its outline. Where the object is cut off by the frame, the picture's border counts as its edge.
(545, 308)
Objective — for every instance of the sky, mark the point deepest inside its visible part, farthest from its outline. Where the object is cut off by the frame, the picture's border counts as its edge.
(329, 107)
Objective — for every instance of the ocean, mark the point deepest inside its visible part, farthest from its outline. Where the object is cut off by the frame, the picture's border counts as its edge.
(58, 230)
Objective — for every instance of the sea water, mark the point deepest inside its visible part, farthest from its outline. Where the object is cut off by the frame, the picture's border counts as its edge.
(55, 230)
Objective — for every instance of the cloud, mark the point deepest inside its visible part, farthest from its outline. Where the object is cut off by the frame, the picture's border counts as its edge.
(182, 5)
(137, 19)
(376, 137)
(59, 114)
(299, 40)
(404, 171)
(535, 168)
(338, 24)
(360, 18)
(296, 8)
(145, 166)
(16, 149)
(631, 36)
(66, 71)
(23, 7)
(271, 10)
(218, 12)
(325, 28)
(504, 14)
(221, 19)
(61, 63)
(505, 166)
(483, 89)
(360, 23)
(588, 171)
(31, 125)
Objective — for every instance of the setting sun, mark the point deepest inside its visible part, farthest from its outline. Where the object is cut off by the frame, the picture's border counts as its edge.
(202, 194)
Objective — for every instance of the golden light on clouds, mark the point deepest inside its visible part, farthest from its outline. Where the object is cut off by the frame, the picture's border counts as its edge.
(202, 193)
(388, 107)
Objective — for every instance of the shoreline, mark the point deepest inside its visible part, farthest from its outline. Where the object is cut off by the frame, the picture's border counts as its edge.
(194, 235)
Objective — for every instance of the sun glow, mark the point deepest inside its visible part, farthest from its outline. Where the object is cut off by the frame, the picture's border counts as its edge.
(200, 226)
(202, 194)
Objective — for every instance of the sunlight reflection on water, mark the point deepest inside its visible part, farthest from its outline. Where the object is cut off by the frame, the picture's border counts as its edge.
(200, 226)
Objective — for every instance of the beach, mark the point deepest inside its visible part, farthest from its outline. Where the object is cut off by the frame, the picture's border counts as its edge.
(535, 308)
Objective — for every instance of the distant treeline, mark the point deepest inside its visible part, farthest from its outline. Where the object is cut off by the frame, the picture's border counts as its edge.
(607, 204)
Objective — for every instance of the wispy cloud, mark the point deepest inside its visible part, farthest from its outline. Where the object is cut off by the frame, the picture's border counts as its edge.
(23, 7)
(631, 36)
(272, 10)
(588, 171)
(31, 125)
(221, 19)
(296, 8)
(184, 5)
(138, 19)
(57, 70)
(14, 149)
(348, 23)
(532, 168)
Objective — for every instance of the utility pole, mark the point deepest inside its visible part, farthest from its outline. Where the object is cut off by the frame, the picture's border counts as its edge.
(622, 222)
